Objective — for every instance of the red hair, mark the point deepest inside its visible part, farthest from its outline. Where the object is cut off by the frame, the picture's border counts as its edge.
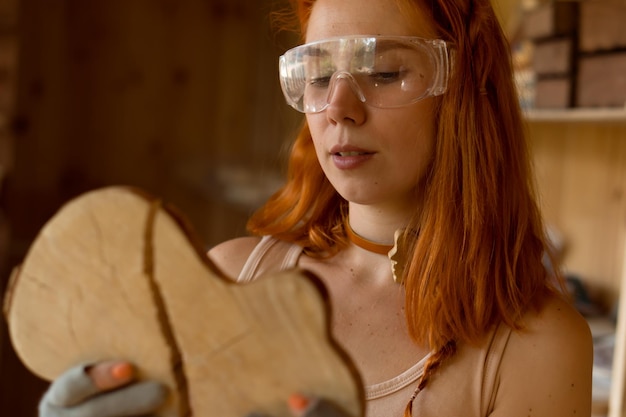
(478, 258)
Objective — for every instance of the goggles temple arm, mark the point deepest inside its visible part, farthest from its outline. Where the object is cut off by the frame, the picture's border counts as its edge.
(443, 61)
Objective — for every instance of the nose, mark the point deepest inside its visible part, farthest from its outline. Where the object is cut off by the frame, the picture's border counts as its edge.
(349, 79)
(345, 99)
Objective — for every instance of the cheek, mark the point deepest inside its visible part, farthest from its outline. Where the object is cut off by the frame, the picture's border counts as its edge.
(414, 131)
(314, 121)
(316, 130)
(414, 144)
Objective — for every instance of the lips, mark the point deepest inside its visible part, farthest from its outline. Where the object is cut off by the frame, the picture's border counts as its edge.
(346, 150)
(350, 157)
(351, 153)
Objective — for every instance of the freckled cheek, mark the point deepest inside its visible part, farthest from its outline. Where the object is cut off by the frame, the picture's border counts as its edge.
(417, 151)
(316, 122)
(318, 136)
(416, 139)
(320, 151)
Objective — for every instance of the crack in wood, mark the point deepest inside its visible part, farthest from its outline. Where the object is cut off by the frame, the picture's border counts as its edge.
(176, 358)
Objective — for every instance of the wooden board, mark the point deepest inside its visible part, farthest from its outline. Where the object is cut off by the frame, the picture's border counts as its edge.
(551, 19)
(554, 57)
(116, 275)
(602, 25)
(553, 92)
(602, 80)
(581, 174)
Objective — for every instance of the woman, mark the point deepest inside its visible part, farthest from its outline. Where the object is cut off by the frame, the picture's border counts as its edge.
(412, 125)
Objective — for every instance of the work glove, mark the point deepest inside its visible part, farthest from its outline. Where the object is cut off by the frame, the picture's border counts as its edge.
(108, 389)
(105, 389)
(303, 406)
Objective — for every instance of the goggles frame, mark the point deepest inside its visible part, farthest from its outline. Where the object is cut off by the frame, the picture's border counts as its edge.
(294, 81)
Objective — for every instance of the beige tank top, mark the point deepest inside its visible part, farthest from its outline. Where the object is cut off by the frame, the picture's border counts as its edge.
(465, 386)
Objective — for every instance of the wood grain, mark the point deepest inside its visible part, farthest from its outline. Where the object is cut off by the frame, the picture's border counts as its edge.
(581, 173)
(116, 275)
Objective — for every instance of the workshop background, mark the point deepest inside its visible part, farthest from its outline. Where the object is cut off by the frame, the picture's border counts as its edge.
(181, 98)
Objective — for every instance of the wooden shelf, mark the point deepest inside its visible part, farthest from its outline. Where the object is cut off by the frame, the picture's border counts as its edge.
(615, 115)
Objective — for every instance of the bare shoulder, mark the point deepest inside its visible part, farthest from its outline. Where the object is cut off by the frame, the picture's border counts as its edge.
(230, 256)
(556, 326)
(546, 369)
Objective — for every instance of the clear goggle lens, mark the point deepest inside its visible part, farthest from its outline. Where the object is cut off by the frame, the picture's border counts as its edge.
(384, 71)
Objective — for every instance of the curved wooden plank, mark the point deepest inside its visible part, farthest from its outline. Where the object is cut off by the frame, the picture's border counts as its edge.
(114, 274)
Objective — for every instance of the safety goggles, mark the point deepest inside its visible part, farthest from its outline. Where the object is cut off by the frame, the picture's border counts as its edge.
(383, 71)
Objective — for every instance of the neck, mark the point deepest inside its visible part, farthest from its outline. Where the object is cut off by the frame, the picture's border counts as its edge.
(377, 224)
(366, 244)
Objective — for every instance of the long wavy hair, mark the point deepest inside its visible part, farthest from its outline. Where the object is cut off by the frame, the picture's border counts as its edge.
(477, 260)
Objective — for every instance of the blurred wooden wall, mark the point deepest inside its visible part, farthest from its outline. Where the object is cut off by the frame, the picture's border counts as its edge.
(581, 172)
(178, 97)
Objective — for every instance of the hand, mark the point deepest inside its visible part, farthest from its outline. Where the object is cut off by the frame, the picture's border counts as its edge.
(303, 406)
(104, 389)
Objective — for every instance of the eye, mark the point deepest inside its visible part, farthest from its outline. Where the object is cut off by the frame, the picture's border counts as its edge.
(385, 77)
(321, 82)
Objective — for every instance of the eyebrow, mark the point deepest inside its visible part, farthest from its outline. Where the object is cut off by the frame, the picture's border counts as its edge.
(388, 44)
(315, 51)
(380, 46)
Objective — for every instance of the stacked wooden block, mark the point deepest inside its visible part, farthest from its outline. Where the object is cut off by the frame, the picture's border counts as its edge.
(602, 59)
(553, 30)
(579, 53)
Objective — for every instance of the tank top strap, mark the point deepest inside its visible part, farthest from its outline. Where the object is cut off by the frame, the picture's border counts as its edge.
(491, 373)
(395, 384)
(269, 255)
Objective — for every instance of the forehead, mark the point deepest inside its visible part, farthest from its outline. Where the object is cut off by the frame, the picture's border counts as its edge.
(355, 47)
(334, 18)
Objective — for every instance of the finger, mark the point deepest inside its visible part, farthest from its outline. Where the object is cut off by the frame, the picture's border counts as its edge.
(298, 404)
(134, 400)
(303, 406)
(111, 374)
(72, 387)
(83, 381)
(325, 408)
